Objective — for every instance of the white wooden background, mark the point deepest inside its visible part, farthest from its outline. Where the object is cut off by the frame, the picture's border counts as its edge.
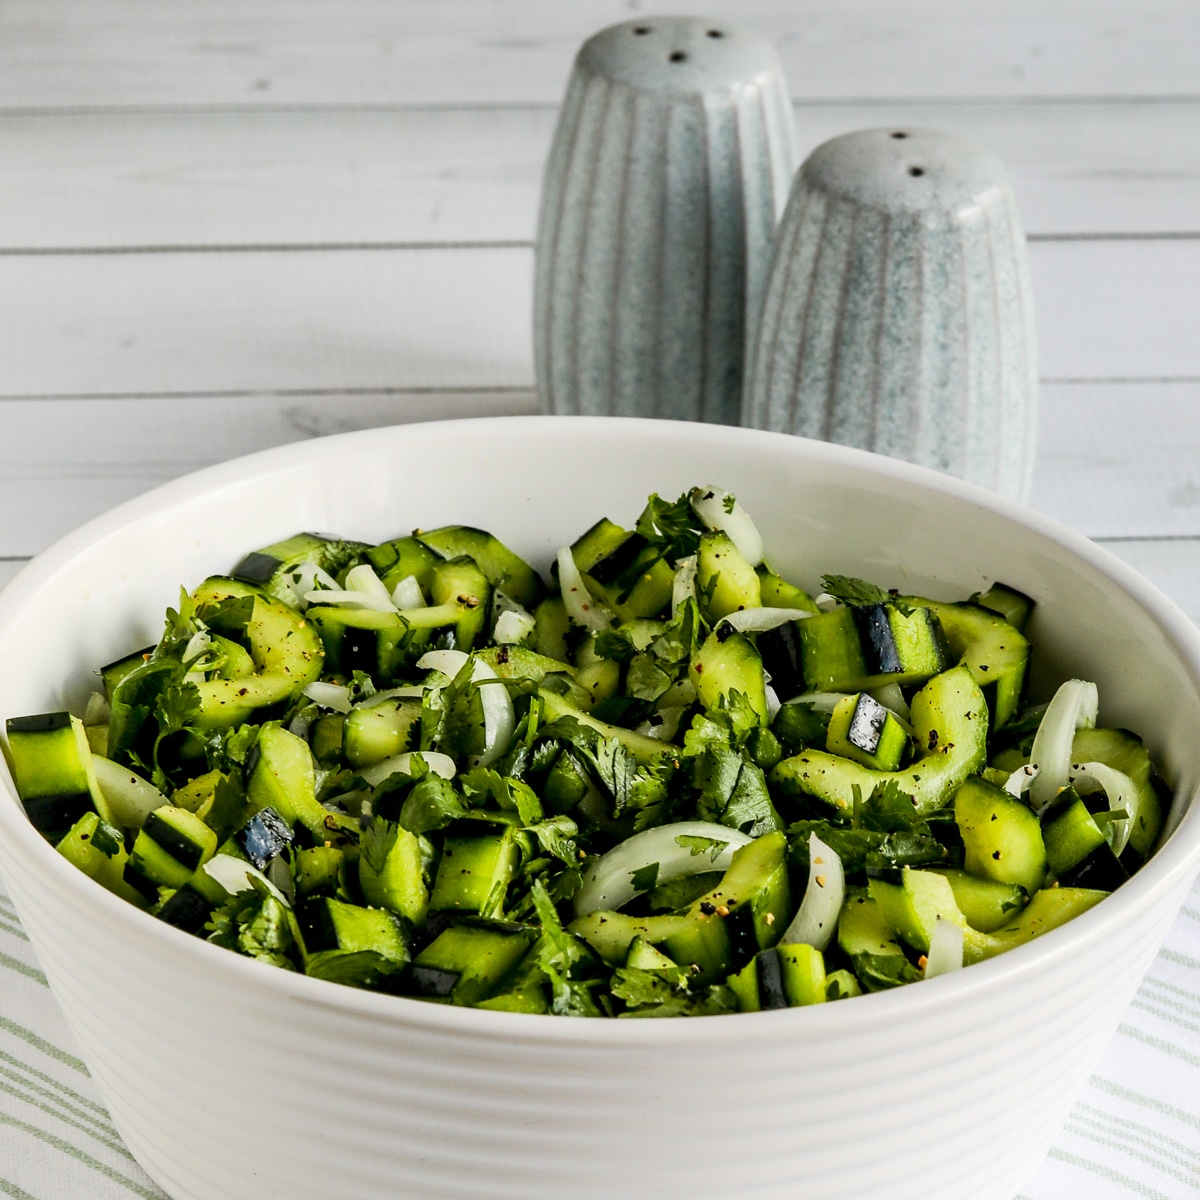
(228, 224)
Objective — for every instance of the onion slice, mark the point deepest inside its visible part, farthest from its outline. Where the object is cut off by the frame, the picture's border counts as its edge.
(130, 798)
(329, 695)
(411, 692)
(407, 594)
(1090, 777)
(1075, 706)
(717, 509)
(773, 702)
(401, 764)
(945, 948)
(1020, 781)
(499, 720)
(759, 619)
(582, 607)
(363, 579)
(608, 883)
(351, 599)
(513, 627)
(683, 587)
(817, 919)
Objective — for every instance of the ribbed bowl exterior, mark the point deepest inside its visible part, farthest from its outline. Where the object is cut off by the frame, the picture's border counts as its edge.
(668, 171)
(232, 1080)
(898, 314)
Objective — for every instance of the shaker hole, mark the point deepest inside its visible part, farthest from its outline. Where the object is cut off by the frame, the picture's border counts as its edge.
(678, 56)
(899, 134)
(640, 30)
(916, 170)
(715, 33)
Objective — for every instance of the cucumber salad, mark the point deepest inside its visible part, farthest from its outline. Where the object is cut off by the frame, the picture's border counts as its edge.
(662, 781)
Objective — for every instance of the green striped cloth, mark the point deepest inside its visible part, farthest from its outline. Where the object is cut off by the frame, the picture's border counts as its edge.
(1134, 1132)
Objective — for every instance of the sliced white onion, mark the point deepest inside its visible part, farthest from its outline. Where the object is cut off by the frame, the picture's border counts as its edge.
(407, 594)
(234, 875)
(1020, 781)
(363, 579)
(773, 703)
(329, 695)
(1075, 706)
(411, 692)
(513, 627)
(346, 599)
(683, 588)
(826, 603)
(760, 619)
(817, 919)
(98, 710)
(304, 578)
(499, 720)
(401, 764)
(131, 799)
(302, 722)
(717, 509)
(945, 948)
(1090, 777)
(608, 883)
(197, 646)
(582, 607)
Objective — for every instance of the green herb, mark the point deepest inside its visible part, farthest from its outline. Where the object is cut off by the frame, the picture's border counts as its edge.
(879, 972)
(701, 845)
(729, 503)
(666, 993)
(644, 879)
(561, 956)
(671, 526)
(858, 593)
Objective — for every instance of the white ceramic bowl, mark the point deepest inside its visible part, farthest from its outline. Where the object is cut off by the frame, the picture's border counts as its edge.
(230, 1079)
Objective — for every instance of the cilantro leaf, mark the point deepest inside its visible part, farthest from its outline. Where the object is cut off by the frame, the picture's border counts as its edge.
(671, 526)
(376, 842)
(432, 804)
(854, 593)
(890, 809)
(561, 955)
(878, 972)
(666, 993)
(729, 503)
(556, 837)
(613, 644)
(645, 878)
(799, 725)
(255, 923)
(733, 792)
(701, 845)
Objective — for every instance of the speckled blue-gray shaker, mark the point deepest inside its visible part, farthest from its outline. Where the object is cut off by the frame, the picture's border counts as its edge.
(898, 315)
(668, 172)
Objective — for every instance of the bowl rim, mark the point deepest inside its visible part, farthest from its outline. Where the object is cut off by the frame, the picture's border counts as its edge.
(1178, 857)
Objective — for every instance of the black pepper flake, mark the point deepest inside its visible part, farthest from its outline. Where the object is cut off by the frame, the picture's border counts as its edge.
(996, 855)
(707, 909)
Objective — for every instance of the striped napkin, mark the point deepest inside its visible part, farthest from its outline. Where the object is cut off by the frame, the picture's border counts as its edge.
(1134, 1132)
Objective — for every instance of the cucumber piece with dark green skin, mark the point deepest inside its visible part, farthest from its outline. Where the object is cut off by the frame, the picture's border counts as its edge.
(1125, 752)
(552, 629)
(264, 837)
(51, 764)
(985, 903)
(728, 662)
(398, 559)
(642, 956)
(283, 778)
(1014, 606)
(475, 870)
(1002, 837)
(98, 850)
(398, 881)
(346, 943)
(776, 592)
(506, 571)
(268, 568)
(468, 961)
(1047, 910)
(1077, 851)
(624, 570)
(860, 728)
(725, 580)
(782, 658)
(858, 649)
(286, 650)
(781, 977)
(112, 673)
(326, 736)
(171, 845)
(320, 871)
(949, 718)
(995, 653)
(371, 733)
(365, 639)
(461, 583)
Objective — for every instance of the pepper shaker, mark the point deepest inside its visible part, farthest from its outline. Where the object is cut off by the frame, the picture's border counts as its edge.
(898, 314)
(667, 174)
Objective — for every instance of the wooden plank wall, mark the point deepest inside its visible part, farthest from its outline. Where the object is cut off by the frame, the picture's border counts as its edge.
(228, 225)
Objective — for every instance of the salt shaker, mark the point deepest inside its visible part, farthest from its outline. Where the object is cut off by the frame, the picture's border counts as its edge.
(668, 172)
(898, 314)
